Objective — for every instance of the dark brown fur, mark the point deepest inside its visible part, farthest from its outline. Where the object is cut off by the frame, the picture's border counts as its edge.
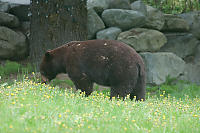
(105, 62)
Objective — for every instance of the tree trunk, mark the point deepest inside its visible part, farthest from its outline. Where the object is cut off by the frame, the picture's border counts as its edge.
(54, 23)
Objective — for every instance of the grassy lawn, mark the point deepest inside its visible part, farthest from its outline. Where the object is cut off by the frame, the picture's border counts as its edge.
(31, 107)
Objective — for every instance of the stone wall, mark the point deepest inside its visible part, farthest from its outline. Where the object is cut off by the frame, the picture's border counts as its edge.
(169, 44)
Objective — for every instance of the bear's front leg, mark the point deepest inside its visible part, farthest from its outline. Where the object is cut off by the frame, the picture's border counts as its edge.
(84, 84)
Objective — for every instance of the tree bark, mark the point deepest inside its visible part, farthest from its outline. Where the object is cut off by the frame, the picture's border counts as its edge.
(54, 23)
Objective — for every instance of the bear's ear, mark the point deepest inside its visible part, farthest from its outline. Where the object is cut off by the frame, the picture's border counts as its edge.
(48, 55)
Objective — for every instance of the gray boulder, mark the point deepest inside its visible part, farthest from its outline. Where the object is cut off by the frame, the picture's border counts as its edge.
(21, 11)
(193, 19)
(123, 19)
(119, 4)
(143, 39)
(109, 33)
(155, 18)
(4, 6)
(94, 24)
(197, 55)
(139, 6)
(160, 65)
(191, 73)
(12, 44)
(175, 23)
(181, 44)
(17, 1)
(98, 5)
(8, 20)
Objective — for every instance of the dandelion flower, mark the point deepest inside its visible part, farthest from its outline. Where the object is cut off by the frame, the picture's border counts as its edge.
(163, 117)
(133, 121)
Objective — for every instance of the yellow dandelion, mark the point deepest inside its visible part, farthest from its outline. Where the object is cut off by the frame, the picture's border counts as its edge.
(59, 115)
(8, 87)
(163, 117)
(89, 126)
(12, 94)
(133, 121)
(67, 110)
(113, 117)
(11, 126)
(125, 128)
(163, 92)
(63, 125)
(13, 102)
(125, 103)
(195, 115)
(42, 117)
(59, 122)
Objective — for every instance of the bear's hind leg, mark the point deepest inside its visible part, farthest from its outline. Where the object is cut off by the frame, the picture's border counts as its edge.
(139, 90)
(113, 93)
(121, 91)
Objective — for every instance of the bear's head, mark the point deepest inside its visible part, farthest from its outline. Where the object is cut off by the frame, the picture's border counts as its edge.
(49, 67)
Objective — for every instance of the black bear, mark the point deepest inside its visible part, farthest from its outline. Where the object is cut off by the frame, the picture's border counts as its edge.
(105, 62)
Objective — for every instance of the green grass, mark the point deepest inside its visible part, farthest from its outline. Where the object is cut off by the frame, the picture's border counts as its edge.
(174, 6)
(12, 70)
(11, 67)
(31, 107)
